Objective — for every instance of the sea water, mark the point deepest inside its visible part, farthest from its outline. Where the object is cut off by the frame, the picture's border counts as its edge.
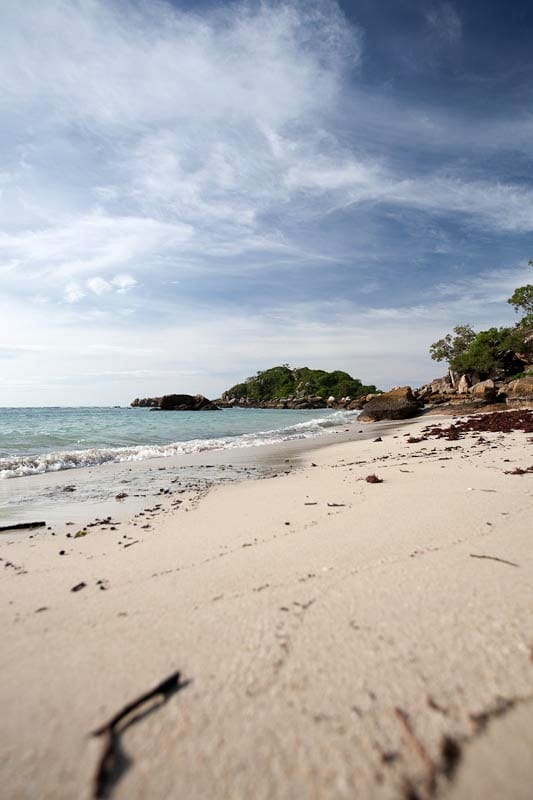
(38, 440)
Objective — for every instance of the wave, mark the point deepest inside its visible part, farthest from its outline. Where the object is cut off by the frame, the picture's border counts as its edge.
(19, 466)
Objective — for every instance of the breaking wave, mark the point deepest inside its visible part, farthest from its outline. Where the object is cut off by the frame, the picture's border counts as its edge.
(19, 466)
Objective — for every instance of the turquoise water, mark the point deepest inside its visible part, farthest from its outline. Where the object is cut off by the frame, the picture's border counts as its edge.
(37, 440)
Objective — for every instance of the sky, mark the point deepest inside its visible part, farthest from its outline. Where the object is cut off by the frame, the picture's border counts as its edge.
(193, 191)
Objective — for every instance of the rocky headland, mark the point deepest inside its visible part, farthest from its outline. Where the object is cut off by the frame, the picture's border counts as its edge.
(451, 394)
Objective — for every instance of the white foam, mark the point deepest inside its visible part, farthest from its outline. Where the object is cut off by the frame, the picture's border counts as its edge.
(19, 466)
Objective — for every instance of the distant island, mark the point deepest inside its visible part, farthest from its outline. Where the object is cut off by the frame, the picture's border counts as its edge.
(285, 387)
(277, 387)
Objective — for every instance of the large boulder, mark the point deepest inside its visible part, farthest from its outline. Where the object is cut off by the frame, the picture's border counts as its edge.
(520, 392)
(399, 403)
(484, 390)
(442, 386)
(186, 402)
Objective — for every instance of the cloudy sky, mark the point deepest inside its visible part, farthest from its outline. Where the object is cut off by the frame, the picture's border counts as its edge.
(191, 191)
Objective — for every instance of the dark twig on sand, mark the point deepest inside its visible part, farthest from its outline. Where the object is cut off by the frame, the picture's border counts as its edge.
(18, 526)
(495, 558)
(113, 761)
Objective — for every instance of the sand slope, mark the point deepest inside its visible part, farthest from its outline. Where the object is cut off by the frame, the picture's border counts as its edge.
(358, 651)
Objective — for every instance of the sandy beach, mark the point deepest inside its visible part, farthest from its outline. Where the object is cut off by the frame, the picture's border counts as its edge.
(335, 638)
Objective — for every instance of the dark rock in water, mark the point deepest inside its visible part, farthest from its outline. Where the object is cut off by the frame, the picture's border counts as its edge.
(186, 402)
(399, 403)
(146, 402)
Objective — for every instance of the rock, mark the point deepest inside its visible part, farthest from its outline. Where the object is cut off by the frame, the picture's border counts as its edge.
(520, 392)
(463, 386)
(484, 390)
(331, 401)
(442, 386)
(186, 402)
(146, 402)
(400, 403)
(423, 392)
(355, 405)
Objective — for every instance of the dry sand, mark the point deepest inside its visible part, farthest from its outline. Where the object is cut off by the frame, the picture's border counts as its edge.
(342, 639)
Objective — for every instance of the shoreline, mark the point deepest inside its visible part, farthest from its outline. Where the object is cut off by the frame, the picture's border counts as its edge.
(315, 615)
(81, 492)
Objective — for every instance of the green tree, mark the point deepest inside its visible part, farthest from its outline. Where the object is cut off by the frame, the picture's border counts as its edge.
(492, 351)
(450, 347)
(522, 301)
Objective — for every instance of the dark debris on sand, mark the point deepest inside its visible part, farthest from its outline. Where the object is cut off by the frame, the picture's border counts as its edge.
(497, 422)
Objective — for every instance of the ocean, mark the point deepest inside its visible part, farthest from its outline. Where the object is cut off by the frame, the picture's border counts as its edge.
(39, 440)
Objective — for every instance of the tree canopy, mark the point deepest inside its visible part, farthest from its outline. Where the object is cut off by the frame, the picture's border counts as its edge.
(496, 351)
(522, 301)
(281, 382)
(450, 347)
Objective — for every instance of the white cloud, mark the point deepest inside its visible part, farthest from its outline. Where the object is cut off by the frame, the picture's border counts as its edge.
(123, 283)
(99, 285)
(143, 146)
(73, 292)
(87, 244)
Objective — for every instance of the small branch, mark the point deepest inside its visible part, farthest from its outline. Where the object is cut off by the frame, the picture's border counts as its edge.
(166, 687)
(113, 761)
(495, 558)
(21, 526)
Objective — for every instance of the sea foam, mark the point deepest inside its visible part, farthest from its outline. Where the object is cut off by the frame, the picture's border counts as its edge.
(21, 465)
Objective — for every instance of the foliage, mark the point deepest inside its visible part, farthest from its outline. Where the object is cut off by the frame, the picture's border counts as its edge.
(492, 351)
(497, 351)
(282, 382)
(451, 347)
(522, 301)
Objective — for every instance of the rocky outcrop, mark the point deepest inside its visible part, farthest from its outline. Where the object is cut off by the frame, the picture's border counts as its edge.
(146, 402)
(298, 402)
(468, 398)
(399, 403)
(186, 402)
(519, 393)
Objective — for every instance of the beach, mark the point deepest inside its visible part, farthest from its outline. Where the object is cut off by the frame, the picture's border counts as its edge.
(335, 637)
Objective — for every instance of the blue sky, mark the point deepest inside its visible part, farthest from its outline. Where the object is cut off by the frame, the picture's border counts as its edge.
(192, 191)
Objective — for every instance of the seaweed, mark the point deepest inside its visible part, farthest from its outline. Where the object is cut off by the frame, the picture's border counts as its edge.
(113, 761)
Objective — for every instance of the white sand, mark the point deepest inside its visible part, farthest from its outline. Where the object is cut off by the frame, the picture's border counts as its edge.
(328, 657)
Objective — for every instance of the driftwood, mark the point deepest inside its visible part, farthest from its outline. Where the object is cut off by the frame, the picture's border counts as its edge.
(495, 558)
(113, 761)
(19, 526)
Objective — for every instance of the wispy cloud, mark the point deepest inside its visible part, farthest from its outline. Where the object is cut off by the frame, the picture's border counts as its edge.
(158, 162)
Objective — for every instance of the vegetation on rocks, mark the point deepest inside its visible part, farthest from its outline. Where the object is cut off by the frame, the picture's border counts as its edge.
(496, 352)
(283, 382)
